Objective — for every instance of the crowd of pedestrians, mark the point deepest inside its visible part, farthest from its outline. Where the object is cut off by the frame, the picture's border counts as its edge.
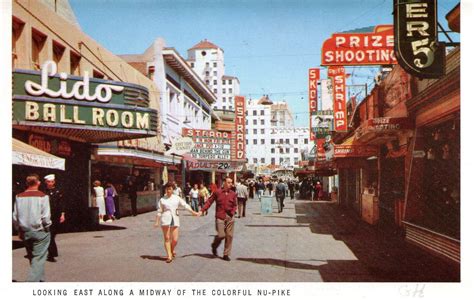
(38, 213)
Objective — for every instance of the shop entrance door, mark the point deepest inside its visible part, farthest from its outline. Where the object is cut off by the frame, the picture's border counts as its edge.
(392, 189)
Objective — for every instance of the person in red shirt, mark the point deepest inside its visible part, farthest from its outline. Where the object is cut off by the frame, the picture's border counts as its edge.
(226, 206)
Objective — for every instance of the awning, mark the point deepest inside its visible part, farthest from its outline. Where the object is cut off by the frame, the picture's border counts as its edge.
(378, 131)
(27, 155)
(351, 148)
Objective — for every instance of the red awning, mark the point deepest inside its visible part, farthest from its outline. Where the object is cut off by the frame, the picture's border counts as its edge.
(378, 131)
(350, 148)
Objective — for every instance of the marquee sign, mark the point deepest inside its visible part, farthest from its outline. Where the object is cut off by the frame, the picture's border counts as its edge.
(314, 74)
(360, 48)
(210, 145)
(47, 99)
(338, 75)
(416, 38)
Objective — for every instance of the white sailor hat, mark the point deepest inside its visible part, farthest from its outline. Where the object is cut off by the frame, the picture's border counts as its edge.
(49, 177)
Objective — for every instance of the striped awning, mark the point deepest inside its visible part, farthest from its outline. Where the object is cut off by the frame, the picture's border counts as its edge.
(27, 155)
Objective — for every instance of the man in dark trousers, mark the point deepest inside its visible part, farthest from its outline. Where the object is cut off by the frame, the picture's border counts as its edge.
(31, 217)
(280, 193)
(58, 214)
(132, 191)
(226, 205)
(291, 188)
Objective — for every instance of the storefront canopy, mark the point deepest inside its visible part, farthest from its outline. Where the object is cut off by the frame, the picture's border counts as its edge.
(27, 155)
(350, 148)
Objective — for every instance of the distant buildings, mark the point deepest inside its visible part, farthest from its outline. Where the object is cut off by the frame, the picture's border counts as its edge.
(207, 60)
(273, 142)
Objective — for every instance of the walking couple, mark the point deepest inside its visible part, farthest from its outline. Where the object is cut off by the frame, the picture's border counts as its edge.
(226, 206)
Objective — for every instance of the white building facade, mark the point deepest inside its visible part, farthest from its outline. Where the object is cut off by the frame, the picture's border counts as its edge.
(207, 60)
(273, 142)
(185, 101)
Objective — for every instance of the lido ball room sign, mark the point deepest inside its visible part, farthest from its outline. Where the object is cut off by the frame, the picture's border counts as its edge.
(49, 99)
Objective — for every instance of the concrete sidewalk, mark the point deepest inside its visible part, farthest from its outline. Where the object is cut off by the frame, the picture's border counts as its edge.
(309, 242)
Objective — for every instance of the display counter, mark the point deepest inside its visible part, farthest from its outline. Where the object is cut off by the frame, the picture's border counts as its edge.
(146, 201)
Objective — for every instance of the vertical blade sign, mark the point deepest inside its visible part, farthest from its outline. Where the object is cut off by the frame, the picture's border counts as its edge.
(313, 98)
(338, 76)
(416, 38)
(239, 127)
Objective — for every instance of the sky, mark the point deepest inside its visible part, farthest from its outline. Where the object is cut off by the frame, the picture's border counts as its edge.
(268, 44)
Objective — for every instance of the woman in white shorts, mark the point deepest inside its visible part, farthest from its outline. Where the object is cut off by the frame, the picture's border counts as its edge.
(168, 219)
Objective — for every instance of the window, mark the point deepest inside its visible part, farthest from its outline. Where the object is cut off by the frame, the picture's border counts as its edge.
(38, 53)
(224, 107)
(255, 131)
(207, 82)
(273, 160)
(255, 160)
(215, 91)
(230, 81)
(262, 112)
(223, 82)
(151, 72)
(230, 99)
(223, 99)
(215, 82)
(262, 160)
(246, 131)
(281, 141)
(255, 141)
(74, 62)
(58, 52)
(262, 131)
(306, 141)
(295, 150)
(262, 141)
(287, 141)
(230, 91)
(97, 74)
(207, 64)
(246, 142)
(296, 160)
(207, 73)
(214, 73)
(17, 29)
(281, 150)
(192, 65)
(231, 107)
(254, 112)
(281, 160)
(287, 150)
(223, 91)
(273, 150)
(272, 141)
(262, 122)
(254, 122)
(295, 141)
(246, 122)
(215, 65)
(203, 53)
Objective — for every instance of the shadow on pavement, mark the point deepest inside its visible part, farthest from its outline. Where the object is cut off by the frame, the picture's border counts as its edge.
(382, 252)
(283, 226)
(282, 263)
(209, 256)
(152, 257)
(17, 245)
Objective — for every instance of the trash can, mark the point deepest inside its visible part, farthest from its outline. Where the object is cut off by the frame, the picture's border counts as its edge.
(266, 205)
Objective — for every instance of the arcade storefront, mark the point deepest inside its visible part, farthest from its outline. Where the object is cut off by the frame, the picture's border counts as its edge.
(64, 115)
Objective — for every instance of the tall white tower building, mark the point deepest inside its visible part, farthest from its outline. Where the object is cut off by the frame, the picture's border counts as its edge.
(207, 60)
(273, 142)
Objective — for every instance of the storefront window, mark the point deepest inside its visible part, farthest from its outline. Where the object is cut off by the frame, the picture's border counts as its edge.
(439, 201)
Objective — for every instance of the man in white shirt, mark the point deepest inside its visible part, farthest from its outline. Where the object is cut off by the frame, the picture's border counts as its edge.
(242, 196)
(32, 219)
